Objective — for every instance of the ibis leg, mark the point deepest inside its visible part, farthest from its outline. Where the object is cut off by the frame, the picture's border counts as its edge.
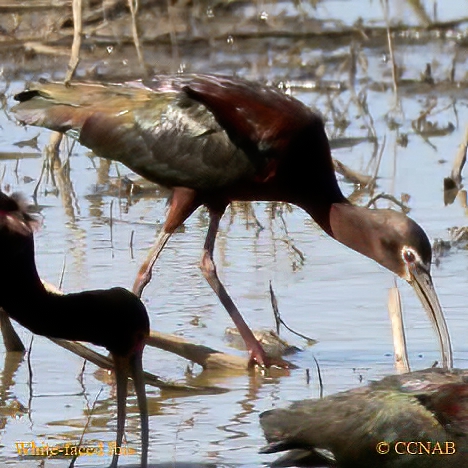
(136, 366)
(181, 206)
(145, 272)
(208, 267)
(121, 364)
(11, 339)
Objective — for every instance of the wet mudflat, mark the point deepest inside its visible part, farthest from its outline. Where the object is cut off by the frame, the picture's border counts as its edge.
(344, 69)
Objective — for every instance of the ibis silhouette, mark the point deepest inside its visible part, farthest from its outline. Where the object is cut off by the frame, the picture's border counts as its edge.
(214, 140)
(114, 318)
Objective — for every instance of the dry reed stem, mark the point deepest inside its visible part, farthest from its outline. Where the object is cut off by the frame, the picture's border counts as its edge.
(391, 51)
(76, 45)
(460, 159)
(398, 331)
(133, 6)
(353, 176)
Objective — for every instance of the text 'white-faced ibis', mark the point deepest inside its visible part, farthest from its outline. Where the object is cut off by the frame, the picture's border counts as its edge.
(215, 140)
(114, 318)
(414, 420)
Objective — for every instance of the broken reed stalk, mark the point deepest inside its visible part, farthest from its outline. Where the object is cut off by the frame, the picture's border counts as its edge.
(133, 6)
(355, 177)
(398, 331)
(373, 182)
(76, 45)
(77, 8)
(452, 184)
(391, 50)
(460, 159)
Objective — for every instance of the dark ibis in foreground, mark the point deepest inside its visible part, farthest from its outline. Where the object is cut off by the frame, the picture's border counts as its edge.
(214, 140)
(414, 420)
(114, 318)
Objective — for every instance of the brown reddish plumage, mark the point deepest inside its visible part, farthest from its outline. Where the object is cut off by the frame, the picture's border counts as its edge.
(214, 140)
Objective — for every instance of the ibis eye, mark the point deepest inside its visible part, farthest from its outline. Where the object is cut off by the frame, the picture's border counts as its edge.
(409, 256)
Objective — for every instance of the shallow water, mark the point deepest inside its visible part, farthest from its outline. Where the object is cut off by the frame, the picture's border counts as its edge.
(337, 297)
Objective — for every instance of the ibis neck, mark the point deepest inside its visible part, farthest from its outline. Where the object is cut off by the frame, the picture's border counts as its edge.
(22, 293)
(322, 212)
(356, 227)
(366, 231)
(310, 180)
(352, 226)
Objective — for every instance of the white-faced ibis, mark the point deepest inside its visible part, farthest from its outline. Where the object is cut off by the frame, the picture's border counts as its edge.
(114, 318)
(214, 140)
(414, 420)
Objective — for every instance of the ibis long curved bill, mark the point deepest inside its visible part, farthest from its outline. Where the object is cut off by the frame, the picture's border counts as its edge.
(420, 279)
